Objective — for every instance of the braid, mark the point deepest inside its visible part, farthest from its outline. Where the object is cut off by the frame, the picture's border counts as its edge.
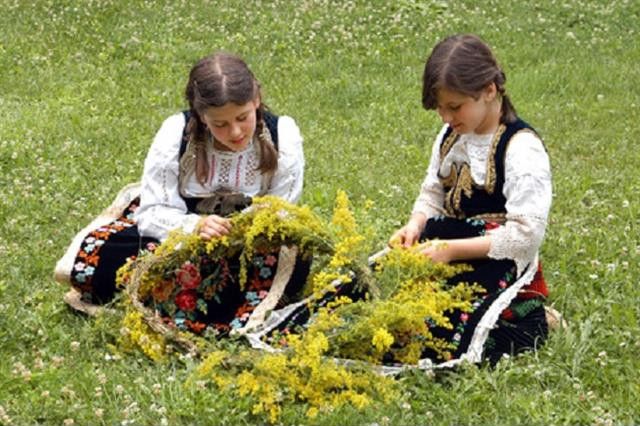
(268, 154)
(195, 159)
(508, 111)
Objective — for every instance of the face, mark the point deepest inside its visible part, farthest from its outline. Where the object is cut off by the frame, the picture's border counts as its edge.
(232, 125)
(465, 114)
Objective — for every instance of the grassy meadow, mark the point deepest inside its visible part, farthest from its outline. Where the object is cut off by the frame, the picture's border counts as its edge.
(84, 86)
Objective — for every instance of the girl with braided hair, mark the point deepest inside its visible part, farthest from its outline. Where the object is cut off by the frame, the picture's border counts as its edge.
(204, 163)
(484, 201)
(226, 143)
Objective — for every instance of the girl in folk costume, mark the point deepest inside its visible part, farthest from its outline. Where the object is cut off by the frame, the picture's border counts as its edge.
(484, 201)
(204, 164)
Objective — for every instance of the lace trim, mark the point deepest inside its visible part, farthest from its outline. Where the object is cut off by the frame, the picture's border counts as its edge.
(489, 319)
(224, 175)
(518, 240)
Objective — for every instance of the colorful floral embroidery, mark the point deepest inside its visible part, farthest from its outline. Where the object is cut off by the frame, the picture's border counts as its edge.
(192, 296)
(88, 256)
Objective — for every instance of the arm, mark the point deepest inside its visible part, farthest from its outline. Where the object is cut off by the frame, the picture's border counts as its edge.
(288, 179)
(527, 189)
(462, 249)
(161, 207)
(429, 203)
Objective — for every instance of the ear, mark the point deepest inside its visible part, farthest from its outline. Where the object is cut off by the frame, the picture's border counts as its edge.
(490, 92)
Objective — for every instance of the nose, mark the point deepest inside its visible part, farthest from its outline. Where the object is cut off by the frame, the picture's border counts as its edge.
(236, 131)
(444, 115)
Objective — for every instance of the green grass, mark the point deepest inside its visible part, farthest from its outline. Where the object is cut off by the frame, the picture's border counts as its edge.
(84, 85)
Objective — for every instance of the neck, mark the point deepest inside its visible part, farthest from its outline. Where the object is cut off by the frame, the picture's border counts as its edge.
(492, 120)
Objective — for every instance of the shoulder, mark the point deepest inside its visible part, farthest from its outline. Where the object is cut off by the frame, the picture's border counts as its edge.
(442, 134)
(288, 128)
(290, 151)
(525, 140)
(172, 126)
(526, 153)
(168, 138)
(289, 136)
(175, 121)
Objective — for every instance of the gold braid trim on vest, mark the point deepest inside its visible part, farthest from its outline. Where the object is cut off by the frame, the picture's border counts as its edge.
(459, 179)
(490, 180)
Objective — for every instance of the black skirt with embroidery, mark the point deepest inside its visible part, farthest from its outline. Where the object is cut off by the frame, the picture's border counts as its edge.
(522, 326)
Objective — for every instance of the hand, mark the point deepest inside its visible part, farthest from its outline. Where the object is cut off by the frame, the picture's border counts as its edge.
(437, 251)
(406, 236)
(213, 226)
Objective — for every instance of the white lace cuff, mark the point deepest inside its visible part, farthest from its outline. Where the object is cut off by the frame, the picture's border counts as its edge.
(518, 239)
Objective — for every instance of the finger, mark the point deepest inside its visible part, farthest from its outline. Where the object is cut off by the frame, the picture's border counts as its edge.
(409, 240)
(221, 222)
(395, 240)
(213, 230)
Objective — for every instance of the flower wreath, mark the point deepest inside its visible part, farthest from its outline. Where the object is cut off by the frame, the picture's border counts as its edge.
(167, 288)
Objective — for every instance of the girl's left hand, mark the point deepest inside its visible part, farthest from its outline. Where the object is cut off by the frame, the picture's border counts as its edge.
(437, 251)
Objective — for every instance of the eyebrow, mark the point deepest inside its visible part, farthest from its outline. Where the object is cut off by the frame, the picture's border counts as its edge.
(244, 114)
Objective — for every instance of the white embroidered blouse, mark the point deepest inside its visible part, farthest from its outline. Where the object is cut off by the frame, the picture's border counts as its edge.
(527, 189)
(162, 209)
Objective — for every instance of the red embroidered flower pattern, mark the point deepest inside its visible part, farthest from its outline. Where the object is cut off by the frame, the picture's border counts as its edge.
(186, 300)
(162, 291)
(491, 225)
(188, 277)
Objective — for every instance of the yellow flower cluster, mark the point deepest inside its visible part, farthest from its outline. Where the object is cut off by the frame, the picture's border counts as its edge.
(343, 220)
(212, 367)
(301, 373)
(135, 333)
(389, 324)
(382, 340)
(272, 222)
(348, 248)
(395, 325)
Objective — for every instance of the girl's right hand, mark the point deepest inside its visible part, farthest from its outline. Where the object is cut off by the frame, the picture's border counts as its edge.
(406, 236)
(213, 226)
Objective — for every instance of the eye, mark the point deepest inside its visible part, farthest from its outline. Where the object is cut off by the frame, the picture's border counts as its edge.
(219, 125)
(455, 108)
(242, 117)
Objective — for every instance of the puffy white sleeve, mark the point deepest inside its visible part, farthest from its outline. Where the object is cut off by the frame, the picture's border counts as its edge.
(288, 178)
(430, 201)
(162, 209)
(528, 191)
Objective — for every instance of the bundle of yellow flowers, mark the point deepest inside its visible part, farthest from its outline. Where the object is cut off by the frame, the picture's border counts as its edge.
(189, 284)
(382, 317)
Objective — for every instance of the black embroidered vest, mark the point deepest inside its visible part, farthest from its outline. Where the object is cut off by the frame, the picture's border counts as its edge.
(270, 120)
(463, 197)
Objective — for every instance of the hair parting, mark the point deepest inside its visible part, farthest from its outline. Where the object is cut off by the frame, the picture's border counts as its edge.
(214, 81)
(464, 63)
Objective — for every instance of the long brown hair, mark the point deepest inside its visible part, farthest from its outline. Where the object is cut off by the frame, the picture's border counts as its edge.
(465, 64)
(214, 81)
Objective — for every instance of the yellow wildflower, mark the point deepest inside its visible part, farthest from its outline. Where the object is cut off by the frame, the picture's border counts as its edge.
(382, 340)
